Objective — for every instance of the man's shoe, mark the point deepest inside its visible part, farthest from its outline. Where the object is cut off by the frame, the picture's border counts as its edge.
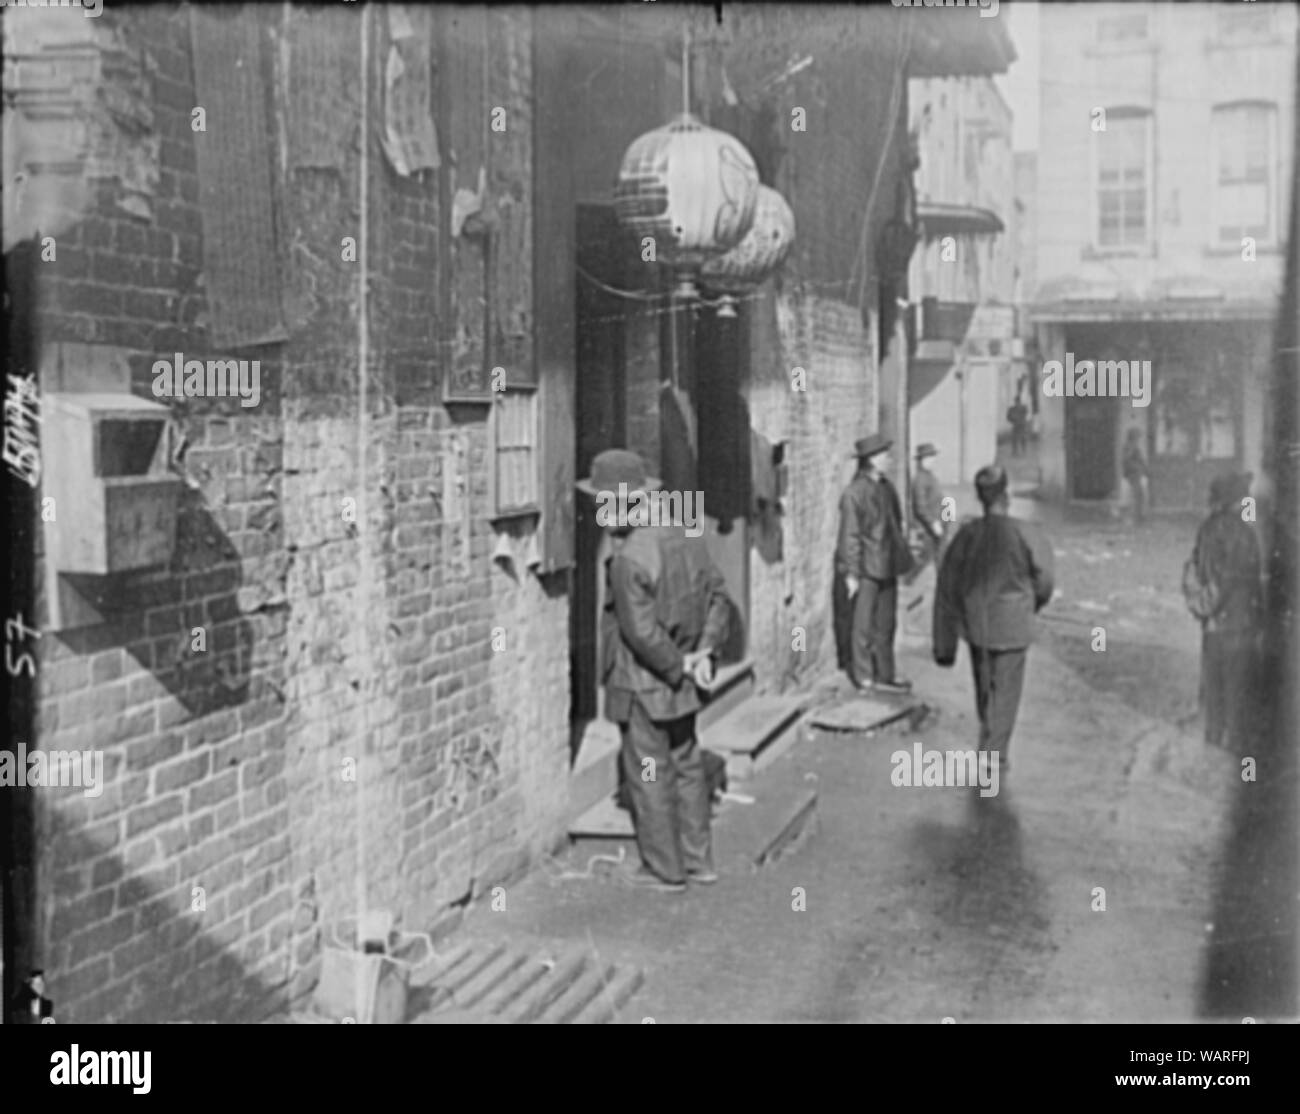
(898, 685)
(644, 879)
(703, 877)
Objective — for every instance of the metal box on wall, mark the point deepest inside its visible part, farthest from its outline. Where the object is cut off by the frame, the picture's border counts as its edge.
(105, 460)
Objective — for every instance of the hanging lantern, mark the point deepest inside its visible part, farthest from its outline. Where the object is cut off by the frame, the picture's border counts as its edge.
(762, 250)
(690, 187)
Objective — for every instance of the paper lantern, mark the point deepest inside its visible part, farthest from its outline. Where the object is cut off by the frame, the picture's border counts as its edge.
(692, 187)
(762, 250)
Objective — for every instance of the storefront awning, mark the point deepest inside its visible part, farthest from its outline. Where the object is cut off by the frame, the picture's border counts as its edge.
(940, 219)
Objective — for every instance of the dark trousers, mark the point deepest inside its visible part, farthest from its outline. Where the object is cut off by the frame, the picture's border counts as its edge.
(999, 679)
(669, 796)
(874, 615)
(1226, 658)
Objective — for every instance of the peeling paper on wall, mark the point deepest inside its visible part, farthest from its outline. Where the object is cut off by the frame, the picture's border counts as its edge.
(410, 138)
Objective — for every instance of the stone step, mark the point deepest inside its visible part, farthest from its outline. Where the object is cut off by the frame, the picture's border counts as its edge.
(514, 987)
(732, 685)
(754, 733)
(750, 737)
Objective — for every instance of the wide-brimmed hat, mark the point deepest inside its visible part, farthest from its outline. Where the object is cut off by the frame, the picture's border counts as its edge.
(926, 449)
(618, 466)
(869, 446)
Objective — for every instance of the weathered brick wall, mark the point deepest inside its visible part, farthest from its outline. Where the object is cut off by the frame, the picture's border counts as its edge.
(192, 740)
(820, 314)
(328, 640)
(827, 339)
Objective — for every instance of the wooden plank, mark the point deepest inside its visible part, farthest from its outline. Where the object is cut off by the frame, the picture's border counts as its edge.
(605, 1007)
(553, 261)
(577, 995)
(752, 725)
(546, 990)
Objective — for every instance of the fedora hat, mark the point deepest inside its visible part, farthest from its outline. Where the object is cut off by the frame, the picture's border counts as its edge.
(926, 449)
(869, 446)
(618, 466)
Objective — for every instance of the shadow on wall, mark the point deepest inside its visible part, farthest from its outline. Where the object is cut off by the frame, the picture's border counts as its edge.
(174, 965)
(185, 625)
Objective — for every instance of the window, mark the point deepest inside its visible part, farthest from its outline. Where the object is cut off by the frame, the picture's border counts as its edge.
(514, 452)
(1122, 28)
(1244, 21)
(1244, 183)
(1123, 153)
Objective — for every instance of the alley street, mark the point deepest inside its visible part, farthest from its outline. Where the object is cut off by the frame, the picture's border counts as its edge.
(926, 903)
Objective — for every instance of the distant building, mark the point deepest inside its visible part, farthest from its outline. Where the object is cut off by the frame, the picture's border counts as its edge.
(1163, 164)
(962, 275)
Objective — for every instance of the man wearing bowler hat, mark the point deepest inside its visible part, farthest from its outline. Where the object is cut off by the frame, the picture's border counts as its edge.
(871, 555)
(666, 614)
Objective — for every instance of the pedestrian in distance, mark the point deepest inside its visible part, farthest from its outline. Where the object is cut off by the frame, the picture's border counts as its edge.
(1221, 583)
(995, 577)
(666, 615)
(1135, 474)
(870, 556)
(1018, 416)
(927, 504)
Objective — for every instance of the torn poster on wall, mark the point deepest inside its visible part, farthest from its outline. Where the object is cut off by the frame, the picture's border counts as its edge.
(410, 136)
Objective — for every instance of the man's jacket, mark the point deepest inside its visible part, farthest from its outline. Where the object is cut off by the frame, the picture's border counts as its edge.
(665, 598)
(927, 498)
(997, 573)
(871, 541)
(1227, 559)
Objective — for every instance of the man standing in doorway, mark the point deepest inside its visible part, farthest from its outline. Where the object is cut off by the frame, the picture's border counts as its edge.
(871, 555)
(666, 614)
(996, 575)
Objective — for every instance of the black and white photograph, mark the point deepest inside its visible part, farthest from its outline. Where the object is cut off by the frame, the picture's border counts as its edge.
(651, 513)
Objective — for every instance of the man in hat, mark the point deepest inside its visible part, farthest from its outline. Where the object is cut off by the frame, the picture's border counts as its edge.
(871, 555)
(996, 575)
(927, 503)
(666, 614)
(1135, 474)
(1226, 560)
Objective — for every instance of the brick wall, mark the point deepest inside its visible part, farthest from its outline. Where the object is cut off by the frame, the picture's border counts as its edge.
(820, 313)
(327, 640)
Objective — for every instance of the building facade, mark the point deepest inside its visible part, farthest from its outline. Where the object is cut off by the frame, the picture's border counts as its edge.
(329, 682)
(1165, 138)
(963, 273)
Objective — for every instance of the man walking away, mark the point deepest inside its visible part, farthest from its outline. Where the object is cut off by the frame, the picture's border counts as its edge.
(1018, 416)
(927, 504)
(1227, 566)
(871, 555)
(996, 575)
(1135, 472)
(666, 614)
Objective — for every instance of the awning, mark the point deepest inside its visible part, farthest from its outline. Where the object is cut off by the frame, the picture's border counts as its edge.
(1177, 310)
(951, 41)
(940, 219)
